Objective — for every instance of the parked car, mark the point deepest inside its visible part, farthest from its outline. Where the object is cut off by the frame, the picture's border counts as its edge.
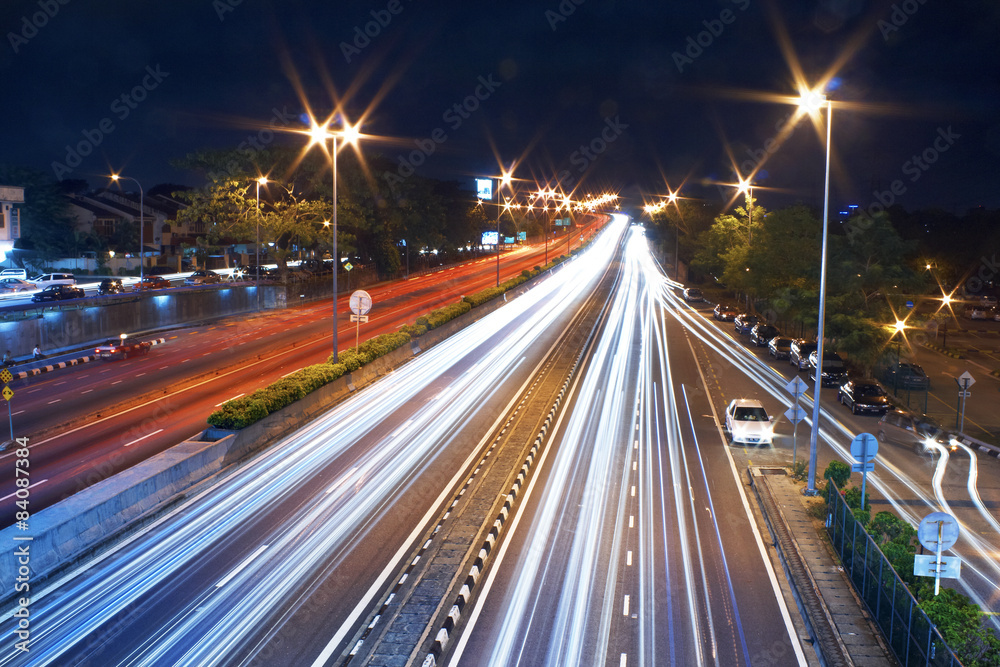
(979, 312)
(14, 273)
(150, 283)
(693, 295)
(798, 355)
(905, 375)
(834, 371)
(58, 293)
(919, 433)
(47, 279)
(988, 300)
(203, 277)
(9, 285)
(110, 286)
(779, 347)
(122, 349)
(725, 312)
(745, 322)
(762, 333)
(864, 396)
(748, 423)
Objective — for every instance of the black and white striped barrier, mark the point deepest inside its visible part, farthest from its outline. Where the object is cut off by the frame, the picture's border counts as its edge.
(20, 375)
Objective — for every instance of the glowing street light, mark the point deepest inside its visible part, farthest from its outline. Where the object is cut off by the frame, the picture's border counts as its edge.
(812, 101)
(116, 178)
(318, 134)
(261, 180)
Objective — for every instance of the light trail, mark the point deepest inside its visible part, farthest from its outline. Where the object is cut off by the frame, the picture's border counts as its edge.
(323, 525)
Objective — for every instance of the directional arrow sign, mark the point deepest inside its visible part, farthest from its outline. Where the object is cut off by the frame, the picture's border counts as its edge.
(965, 394)
(795, 414)
(796, 387)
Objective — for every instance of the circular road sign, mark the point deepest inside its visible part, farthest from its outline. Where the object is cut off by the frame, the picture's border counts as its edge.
(928, 531)
(864, 447)
(361, 302)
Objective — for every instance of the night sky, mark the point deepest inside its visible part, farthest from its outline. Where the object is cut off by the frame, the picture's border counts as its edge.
(627, 95)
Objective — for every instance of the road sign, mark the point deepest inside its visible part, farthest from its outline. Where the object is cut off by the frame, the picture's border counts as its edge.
(965, 380)
(361, 302)
(938, 530)
(927, 565)
(863, 467)
(8, 393)
(864, 447)
(5, 376)
(964, 394)
(796, 387)
(795, 414)
(348, 266)
(363, 319)
(909, 304)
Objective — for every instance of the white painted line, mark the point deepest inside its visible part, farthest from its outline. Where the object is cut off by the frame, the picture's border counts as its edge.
(30, 487)
(623, 662)
(16, 413)
(229, 399)
(628, 558)
(289, 373)
(239, 568)
(117, 382)
(143, 437)
(59, 383)
(633, 490)
(631, 521)
(55, 401)
(87, 391)
(140, 375)
(625, 611)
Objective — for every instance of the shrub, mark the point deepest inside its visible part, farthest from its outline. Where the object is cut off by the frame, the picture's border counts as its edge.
(241, 412)
(839, 472)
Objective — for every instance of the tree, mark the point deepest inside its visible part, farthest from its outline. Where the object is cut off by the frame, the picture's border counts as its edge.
(46, 224)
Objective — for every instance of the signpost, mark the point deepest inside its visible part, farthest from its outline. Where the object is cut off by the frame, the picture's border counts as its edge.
(864, 447)
(964, 381)
(361, 303)
(6, 376)
(795, 414)
(937, 532)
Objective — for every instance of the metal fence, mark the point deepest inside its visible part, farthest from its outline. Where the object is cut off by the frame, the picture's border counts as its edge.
(912, 637)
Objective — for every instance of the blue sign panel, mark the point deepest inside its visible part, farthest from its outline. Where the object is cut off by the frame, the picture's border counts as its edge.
(484, 188)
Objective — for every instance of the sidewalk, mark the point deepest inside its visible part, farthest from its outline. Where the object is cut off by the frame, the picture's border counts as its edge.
(836, 619)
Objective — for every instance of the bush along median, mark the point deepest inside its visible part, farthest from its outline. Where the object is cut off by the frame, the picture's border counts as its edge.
(246, 410)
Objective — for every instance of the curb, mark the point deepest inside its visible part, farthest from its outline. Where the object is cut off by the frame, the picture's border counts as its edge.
(21, 375)
(941, 350)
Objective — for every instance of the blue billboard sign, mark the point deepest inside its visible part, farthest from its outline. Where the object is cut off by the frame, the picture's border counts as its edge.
(490, 238)
(484, 188)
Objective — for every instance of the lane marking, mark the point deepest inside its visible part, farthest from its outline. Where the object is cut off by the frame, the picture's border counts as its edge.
(229, 399)
(86, 391)
(628, 558)
(55, 401)
(239, 568)
(31, 486)
(143, 437)
(625, 610)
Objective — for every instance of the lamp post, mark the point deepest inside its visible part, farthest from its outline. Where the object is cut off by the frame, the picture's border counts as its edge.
(746, 187)
(818, 101)
(319, 134)
(142, 248)
(261, 180)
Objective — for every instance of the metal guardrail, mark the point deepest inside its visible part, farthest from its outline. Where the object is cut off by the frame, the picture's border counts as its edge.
(912, 637)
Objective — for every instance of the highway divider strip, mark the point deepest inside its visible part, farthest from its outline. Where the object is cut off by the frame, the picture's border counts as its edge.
(31, 372)
(443, 635)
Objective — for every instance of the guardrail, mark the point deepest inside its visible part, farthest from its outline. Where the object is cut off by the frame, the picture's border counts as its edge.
(911, 635)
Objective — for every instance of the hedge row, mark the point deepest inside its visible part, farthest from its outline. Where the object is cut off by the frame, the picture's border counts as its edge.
(244, 411)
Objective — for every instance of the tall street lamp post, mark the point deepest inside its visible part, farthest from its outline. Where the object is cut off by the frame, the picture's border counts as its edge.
(262, 180)
(817, 101)
(142, 243)
(319, 134)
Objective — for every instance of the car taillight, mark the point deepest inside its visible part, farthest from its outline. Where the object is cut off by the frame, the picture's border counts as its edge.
(97, 350)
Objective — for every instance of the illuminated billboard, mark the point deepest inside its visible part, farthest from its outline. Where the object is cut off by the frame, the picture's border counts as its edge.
(484, 188)
(490, 238)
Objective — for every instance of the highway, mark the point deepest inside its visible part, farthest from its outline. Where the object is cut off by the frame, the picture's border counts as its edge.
(318, 516)
(172, 391)
(633, 542)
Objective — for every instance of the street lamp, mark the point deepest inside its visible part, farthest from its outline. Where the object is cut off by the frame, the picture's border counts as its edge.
(813, 102)
(261, 180)
(318, 135)
(116, 178)
(746, 187)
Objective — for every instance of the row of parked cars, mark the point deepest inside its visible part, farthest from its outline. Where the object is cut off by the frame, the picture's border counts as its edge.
(748, 423)
(62, 286)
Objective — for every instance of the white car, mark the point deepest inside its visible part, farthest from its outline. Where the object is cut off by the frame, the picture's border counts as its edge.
(748, 423)
(48, 279)
(8, 285)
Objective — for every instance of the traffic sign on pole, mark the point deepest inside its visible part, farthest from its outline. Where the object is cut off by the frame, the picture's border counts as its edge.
(795, 414)
(796, 387)
(937, 531)
(864, 447)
